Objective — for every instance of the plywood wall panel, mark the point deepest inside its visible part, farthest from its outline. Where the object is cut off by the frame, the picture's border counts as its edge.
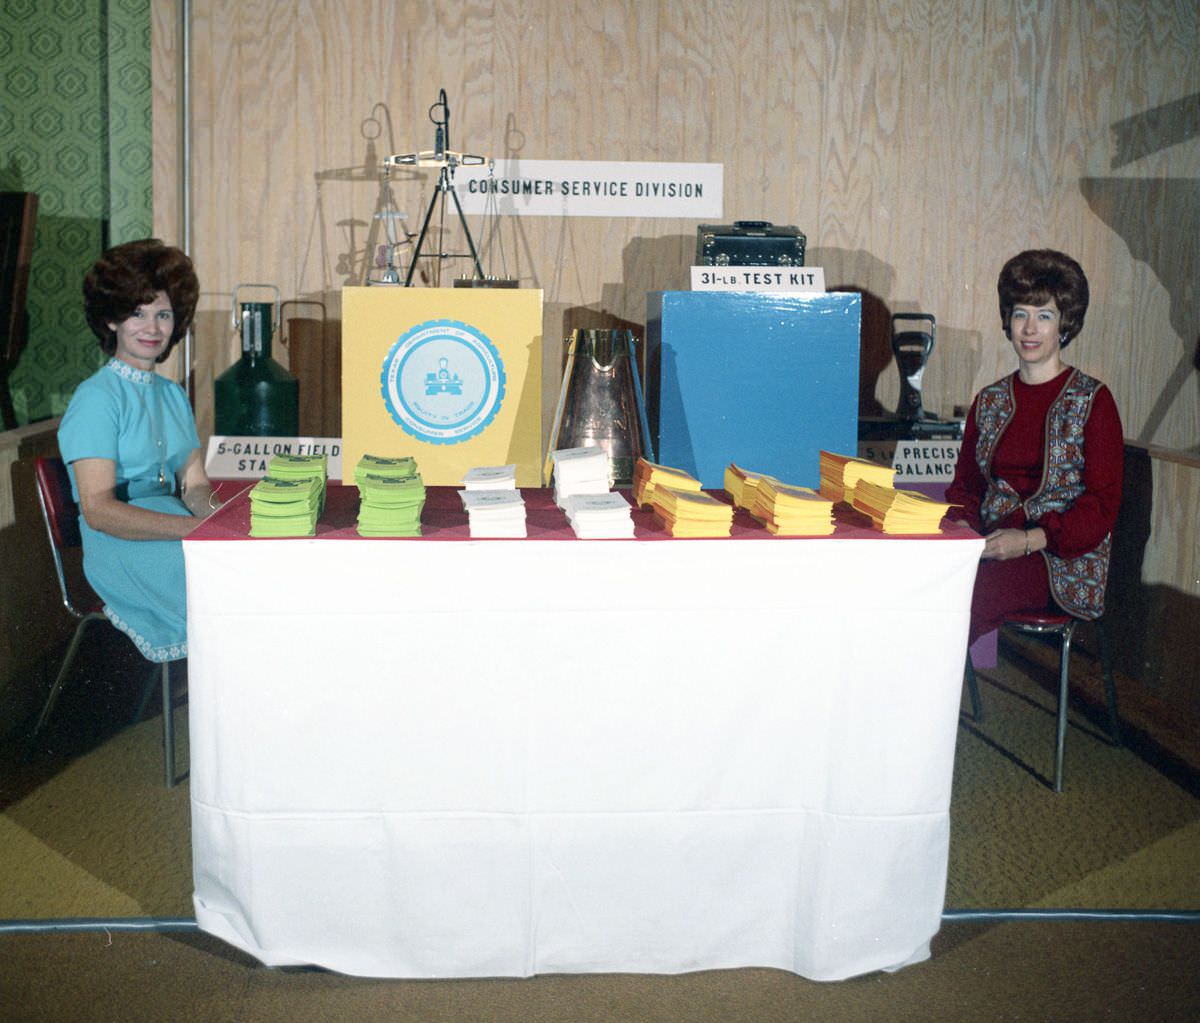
(311, 275)
(918, 143)
(165, 110)
(937, 182)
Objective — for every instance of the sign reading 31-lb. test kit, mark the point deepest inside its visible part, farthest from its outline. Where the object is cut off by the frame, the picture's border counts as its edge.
(451, 376)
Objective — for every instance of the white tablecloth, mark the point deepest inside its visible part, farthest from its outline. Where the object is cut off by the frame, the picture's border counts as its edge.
(503, 758)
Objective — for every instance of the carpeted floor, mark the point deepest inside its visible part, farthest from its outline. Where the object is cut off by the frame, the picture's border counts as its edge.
(87, 830)
(1119, 835)
(1060, 972)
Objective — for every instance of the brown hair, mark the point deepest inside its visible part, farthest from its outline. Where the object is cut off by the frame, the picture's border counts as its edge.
(1039, 276)
(130, 275)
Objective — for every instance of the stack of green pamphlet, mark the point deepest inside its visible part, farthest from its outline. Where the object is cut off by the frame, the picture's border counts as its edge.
(391, 468)
(391, 496)
(295, 467)
(282, 507)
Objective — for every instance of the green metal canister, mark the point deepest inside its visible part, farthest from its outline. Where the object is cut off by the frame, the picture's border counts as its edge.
(256, 397)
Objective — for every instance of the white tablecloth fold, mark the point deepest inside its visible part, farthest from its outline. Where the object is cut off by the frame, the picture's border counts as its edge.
(465, 759)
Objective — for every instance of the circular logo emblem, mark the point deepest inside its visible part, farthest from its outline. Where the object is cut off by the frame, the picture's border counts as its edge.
(443, 381)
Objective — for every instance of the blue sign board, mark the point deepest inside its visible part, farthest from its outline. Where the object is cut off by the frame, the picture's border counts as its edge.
(765, 380)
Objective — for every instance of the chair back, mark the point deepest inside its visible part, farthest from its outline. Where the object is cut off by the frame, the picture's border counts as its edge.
(61, 515)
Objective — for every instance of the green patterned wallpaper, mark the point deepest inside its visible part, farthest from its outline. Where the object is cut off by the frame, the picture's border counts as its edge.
(75, 127)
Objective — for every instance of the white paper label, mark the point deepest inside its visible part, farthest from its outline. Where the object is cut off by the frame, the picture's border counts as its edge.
(809, 279)
(243, 458)
(585, 188)
(925, 461)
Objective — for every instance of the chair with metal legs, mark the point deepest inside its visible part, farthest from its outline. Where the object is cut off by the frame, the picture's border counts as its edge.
(61, 515)
(1051, 623)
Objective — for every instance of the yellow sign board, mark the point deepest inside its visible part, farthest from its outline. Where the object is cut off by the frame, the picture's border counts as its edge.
(451, 376)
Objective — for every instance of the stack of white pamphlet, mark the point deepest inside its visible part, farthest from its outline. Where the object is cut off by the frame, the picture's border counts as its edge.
(600, 516)
(580, 471)
(491, 477)
(494, 514)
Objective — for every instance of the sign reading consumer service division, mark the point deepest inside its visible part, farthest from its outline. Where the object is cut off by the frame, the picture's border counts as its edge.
(583, 188)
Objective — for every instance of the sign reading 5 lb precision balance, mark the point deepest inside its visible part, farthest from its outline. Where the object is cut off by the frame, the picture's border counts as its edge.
(450, 376)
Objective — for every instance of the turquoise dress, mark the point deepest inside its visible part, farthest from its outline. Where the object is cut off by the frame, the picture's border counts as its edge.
(143, 424)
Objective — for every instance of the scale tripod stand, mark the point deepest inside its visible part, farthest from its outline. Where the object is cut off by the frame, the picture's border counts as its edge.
(447, 160)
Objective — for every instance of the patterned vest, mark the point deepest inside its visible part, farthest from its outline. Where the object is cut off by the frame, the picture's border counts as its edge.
(1077, 584)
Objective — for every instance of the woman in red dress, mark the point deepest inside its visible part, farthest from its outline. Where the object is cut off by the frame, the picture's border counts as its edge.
(1040, 470)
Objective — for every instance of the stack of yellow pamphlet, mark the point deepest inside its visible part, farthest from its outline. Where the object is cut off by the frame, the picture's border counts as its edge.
(691, 513)
(740, 485)
(901, 512)
(391, 496)
(281, 507)
(648, 475)
(840, 474)
(791, 511)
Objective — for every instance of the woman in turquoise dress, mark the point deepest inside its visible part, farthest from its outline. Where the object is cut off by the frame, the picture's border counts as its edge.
(129, 440)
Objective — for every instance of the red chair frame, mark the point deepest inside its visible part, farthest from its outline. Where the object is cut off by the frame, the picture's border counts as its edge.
(1051, 623)
(61, 516)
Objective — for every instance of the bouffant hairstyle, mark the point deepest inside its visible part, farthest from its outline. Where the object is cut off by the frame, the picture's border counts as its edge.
(130, 275)
(1039, 276)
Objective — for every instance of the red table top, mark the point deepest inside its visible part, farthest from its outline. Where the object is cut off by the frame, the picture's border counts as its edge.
(444, 518)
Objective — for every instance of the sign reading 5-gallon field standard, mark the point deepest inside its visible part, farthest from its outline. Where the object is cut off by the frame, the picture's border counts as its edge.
(583, 188)
(443, 381)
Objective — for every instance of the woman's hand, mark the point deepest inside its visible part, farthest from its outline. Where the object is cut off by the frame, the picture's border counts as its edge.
(1005, 544)
(196, 489)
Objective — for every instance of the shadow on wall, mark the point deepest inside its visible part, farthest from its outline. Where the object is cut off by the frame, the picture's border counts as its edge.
(647, 264)
(875, 350)
(1158, 219)
(1151, 628)
(514, 257)
(844, 269)
(363, 246)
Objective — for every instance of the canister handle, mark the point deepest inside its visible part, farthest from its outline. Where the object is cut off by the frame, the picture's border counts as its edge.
(236, 318)
(284, 338)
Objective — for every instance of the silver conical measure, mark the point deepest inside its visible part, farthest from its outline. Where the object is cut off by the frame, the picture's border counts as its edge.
(601, 403)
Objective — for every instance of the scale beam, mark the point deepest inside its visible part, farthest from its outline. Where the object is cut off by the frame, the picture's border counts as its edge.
(447, 161)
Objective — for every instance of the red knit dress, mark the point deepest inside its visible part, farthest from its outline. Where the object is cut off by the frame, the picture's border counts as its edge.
(1022, 584)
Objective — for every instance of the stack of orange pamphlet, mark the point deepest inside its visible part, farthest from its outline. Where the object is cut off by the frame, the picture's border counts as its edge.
(791, 511)
(740, 485)
(899, 512)
(647, 476)
(841, 473)
(691, 513)
(785, 510)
